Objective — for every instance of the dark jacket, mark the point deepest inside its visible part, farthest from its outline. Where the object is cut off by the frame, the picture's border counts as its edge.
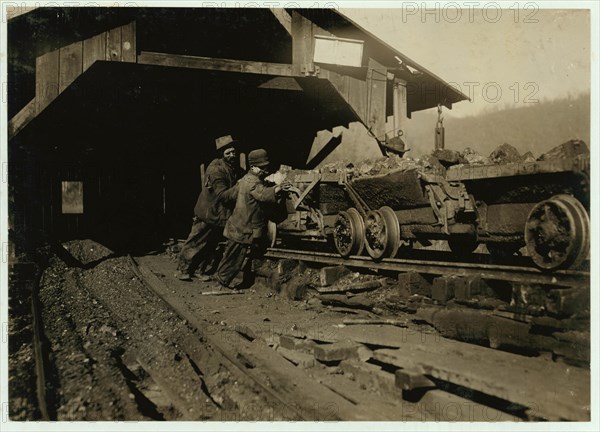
(249, 220)
(219, 191)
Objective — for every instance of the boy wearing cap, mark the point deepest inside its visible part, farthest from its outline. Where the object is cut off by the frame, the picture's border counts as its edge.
(213, 208)
(247, 225)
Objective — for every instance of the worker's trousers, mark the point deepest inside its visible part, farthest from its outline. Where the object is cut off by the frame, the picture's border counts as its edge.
(200, 247)
(240, 257)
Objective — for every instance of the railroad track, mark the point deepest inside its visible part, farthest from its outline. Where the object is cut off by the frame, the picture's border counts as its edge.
(263, 368)
(38, 350)
(27, 276)
(156, 287)
(312, 397)
(508, 273)
(287, 387)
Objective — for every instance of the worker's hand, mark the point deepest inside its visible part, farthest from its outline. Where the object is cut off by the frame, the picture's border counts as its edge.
(286, 186)
(283, 187)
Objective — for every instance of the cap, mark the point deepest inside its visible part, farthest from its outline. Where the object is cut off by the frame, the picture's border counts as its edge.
(258, 157)
(224, 142)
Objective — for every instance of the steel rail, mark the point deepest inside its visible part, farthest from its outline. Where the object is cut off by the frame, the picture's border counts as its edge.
(212, 341)
(38, 348)
(508, 273)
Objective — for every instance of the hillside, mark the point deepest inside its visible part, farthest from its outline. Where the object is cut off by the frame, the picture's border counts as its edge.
(534, 127)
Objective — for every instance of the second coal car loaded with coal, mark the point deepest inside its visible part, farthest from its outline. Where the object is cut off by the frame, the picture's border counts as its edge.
(380, 208)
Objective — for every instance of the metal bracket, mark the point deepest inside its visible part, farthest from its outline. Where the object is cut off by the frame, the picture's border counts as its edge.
(436, 195)
(310, 69)
(309, 188)
(360, 204)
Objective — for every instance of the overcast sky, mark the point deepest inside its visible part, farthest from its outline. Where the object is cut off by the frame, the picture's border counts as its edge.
(546, 52)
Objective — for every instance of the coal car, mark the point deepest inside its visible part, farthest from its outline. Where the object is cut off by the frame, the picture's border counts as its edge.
(538, 208)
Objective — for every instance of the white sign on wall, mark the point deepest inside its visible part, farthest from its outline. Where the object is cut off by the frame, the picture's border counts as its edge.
(338, 51)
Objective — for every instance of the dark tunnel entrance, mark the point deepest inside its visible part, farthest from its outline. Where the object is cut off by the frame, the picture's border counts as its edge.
(135, 136)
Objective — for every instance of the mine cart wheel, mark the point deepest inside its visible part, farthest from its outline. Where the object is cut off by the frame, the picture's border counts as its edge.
(503, 250)
(349, 233)
(583, 222)
(382, 233)
(462, 246)
(557, 233)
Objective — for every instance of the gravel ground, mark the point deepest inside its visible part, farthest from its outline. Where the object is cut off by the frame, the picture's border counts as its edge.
(85, 346)
(111, 342)
(117, 352)
(21, 362)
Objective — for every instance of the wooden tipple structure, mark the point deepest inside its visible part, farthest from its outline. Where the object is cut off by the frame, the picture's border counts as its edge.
(113, 111)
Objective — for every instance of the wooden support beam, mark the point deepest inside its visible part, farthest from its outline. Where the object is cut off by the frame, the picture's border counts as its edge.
(114, 49)
(302, 41)
(128, 43)
(70, 64)
(46, 79)
(15, 9)
(208, 63)
(284, 19)
(376, 95)
(94, 49)
(21, 119)
(56, 70)
(400, 106)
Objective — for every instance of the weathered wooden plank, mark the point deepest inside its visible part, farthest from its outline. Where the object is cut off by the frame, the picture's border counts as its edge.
(369, 285)
(46, 79)
(376, 321)
(284, 18)
(228, 65)
(484, 327)
(376, 89)
(70, 64)
(505, 375)
(380, 408)
(296, 344)
(357, 96)
(352, 88)
(400, 106)
(113, 45)
(56, 70)
(382, 335)
(372, 376)
(473, 172)
(341, 300)
(301, 41)
(14, 10)
(553, 391)
(300, 359)
(94, 49)
(337, 351)
(284, 381)
(128, 42)
(329, 274)
(21, 119)
(435, 405)
(339, 81)
(410, 379)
